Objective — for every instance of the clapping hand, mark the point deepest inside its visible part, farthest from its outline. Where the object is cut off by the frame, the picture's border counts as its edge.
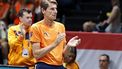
(73, 42)
(20, 37)
(59, 38)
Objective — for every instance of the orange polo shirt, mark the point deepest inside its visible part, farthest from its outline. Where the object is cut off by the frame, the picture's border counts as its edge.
(46, 36)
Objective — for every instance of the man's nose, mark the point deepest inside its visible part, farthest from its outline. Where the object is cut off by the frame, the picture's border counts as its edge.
(55, 10)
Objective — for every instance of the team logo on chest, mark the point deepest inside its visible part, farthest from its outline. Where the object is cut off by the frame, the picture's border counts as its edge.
(46, 35)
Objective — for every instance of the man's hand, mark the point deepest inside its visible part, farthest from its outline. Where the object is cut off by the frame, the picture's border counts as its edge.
(59, 38)
(20, 37)
(73, 42)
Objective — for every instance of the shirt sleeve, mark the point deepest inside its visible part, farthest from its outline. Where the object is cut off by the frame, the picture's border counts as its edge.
(13, 38)
(35, 34)
(63, 31)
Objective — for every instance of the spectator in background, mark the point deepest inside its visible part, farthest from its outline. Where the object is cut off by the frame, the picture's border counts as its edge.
(12, 11)
(19, 4)
(69, 59)
(4, 9)
(63, 6)
(89, 26)
(20, 49)
(100, 27)
(104, 61)
(48, 38)
(1, 55)
(37, 11)
(3, 41)
(114, 18)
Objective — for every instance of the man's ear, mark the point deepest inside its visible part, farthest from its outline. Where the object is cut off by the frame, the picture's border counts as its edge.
(20, 18)
(43, 11)
(109, 61)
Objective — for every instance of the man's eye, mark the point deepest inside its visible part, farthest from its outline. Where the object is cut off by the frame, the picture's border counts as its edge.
(52, 8)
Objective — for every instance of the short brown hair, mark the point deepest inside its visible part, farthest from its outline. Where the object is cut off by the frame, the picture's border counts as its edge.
(45, 3)
(20, 14)
(107, 56)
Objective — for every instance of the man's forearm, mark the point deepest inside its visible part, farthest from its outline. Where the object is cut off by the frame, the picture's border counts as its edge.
(40, 52)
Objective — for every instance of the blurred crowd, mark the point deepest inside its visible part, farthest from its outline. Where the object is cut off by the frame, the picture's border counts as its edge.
(10, 8)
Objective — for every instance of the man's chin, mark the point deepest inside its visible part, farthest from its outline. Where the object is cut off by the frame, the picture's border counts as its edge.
(28, 26)
(102, 67)
(53, 18)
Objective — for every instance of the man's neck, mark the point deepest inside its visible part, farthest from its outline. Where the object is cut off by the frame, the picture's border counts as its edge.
(48, 22)
(104, 68)
(24, 27)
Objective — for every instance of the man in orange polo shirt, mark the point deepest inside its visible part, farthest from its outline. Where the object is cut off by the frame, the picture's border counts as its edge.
(48, 38)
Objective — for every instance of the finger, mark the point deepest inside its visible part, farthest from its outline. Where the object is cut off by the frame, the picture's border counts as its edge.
(79, 40)
(63, 34)
(75, 37)
(61, 37)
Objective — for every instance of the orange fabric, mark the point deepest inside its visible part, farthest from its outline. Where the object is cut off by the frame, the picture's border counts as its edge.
(3, 8)
(16, 21)
(18, 6)
(72, 66)
(16, 48)
(46, 36)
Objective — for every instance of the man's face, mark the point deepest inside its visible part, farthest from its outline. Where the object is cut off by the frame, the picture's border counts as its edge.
(103, 62)
(69, 57)
(114, 2)
(26, 19)
(51, 12)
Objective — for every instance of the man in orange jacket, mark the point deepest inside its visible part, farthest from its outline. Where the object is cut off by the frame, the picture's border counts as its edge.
(20, 52)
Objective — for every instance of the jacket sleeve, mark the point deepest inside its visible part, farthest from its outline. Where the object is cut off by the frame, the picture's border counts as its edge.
(13, 38)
